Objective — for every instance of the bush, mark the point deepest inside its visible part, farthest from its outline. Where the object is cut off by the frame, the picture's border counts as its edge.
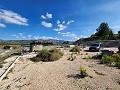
(1, 66)
(75, 49)
(6, 47)
(113, 60)
(44, 55)
(48, 55)
(83, 72)
(71, 57)
(55, 56)
(56, 51)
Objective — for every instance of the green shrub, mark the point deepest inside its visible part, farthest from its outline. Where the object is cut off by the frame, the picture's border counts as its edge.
(48, 55)
(6, 47)
(55, 56)
(1, 66)
(75, 49)
(113, 60)
(72, 57)
(118, 64)
(56, 51)
(43, 55)
(83, 72)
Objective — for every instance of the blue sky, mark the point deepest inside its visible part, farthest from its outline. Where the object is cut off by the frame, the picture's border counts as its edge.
(56, 19)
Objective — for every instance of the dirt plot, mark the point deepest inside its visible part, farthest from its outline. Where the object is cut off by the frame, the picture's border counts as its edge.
(61, 74)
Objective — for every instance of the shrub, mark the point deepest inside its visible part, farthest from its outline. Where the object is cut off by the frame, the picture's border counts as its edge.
(118, 65)
(56, 51)
(113, 60)
(6, 47)
(48, 55)
(1, 66)
(55, 56)
(43, 55)
(72, 57)
(75, 49)
(83, 72)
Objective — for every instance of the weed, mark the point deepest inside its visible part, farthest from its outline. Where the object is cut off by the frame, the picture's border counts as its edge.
(75, 49)
(72, 57)
(113, 60)
(1, 66)
(6, 77)
(83, 72)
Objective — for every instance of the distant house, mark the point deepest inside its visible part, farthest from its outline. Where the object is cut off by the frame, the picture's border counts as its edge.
(37, 47)
(72, 46)
(69, 46)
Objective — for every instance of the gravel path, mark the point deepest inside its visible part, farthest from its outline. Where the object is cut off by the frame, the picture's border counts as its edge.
(61, 75)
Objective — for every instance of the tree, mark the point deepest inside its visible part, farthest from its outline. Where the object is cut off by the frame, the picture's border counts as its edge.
(111, 35)
(103, 31)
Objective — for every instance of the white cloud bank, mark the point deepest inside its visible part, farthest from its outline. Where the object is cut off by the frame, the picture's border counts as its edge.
(45, 24)
(30, 37)
(44, 37)
(7, 16)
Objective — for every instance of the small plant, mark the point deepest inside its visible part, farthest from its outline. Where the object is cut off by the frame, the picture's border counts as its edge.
(75, 49)
(6, 77)
(1, 66)
(72, 57)
(83, 72)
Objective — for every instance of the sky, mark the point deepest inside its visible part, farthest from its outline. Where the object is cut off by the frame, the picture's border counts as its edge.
(56, 19)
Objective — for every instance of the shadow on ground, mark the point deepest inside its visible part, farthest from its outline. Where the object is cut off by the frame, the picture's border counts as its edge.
(75, 76)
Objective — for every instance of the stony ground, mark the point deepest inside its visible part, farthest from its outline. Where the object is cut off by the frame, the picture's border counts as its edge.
(61, 74)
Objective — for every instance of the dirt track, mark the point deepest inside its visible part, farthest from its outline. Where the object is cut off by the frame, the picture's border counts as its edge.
(61, 75)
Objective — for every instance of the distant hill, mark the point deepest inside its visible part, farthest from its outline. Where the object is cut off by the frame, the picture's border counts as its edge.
(27, 42)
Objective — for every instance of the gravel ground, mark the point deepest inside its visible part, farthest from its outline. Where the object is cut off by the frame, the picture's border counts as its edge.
(61, 75)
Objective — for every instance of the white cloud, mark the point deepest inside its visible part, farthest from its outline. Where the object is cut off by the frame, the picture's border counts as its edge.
(69, 34)
(22, 36)
(2, 25)
(29, 36)
(14, 35)
(58, 22)
(116, 27)
(43, 17)
(45, 37)
(63, 22)
(71, 21)
(48, 15)
(7, 16)
(62, 25)
(26, 37)
(45, 24)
